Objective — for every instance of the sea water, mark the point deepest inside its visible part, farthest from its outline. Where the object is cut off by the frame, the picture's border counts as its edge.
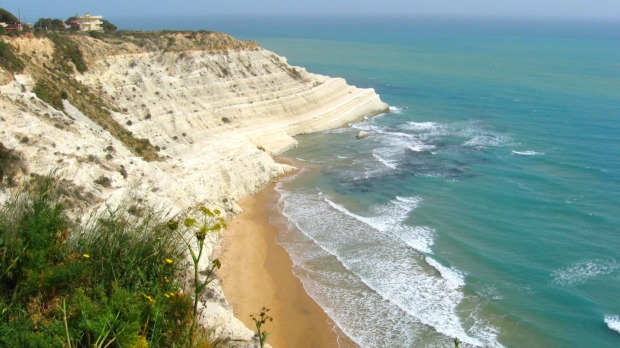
(484, 206)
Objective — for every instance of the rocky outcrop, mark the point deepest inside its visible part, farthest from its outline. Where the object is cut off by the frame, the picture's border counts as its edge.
(362, 135)
(216, 109)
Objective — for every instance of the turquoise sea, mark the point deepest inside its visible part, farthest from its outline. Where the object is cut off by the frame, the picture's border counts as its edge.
(485, 206)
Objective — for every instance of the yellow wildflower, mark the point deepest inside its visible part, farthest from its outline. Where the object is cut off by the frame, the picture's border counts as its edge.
(169, 261)
(86, 256)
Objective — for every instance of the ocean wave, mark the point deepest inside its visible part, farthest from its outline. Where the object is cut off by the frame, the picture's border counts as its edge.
(422, 126)
(369, 127)
(390, 217)
(580, 272)
(396, 109)
(613, 322)
(489, 293)
(386, 162)
(472, 133)
(409, 200)
(486, 140)
(307, 160)
(421, 147)
(454, 277)
(527, 153)
(372, 249)
(396, 134)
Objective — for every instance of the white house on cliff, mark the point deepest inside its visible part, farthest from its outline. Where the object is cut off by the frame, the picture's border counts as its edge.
(90, 23)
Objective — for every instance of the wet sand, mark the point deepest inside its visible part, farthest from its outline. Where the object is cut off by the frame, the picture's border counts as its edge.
(257, 272)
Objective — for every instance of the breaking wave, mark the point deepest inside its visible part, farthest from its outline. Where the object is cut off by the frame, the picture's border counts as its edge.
(582, 271)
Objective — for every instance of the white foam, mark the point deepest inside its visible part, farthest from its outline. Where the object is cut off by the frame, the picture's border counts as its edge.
(389, 218)
(454, 277)
(372, 250)
(396, 109)
(410, 200)
(613, 322)
(489, 292)
(486, 140)
(527, 153)
(398, 134)
(368, 127)
(421, 147)
(422, 126)
(473, 133)
(580, 272)
(386, 162)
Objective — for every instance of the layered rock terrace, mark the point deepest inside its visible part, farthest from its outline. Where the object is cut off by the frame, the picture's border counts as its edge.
(216, 108)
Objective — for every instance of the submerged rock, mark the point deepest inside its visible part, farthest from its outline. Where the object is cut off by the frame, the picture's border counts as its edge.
(362, 135)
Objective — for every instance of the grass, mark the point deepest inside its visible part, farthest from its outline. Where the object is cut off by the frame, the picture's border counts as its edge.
(54, 85)
(49, 94)
(56, 81)
(116, 281)
(8, 60)
(67, 51)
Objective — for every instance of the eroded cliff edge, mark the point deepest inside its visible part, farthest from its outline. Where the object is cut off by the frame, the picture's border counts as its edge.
(170, 120)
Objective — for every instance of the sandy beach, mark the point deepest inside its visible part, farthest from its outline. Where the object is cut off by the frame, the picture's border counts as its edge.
(256, 272)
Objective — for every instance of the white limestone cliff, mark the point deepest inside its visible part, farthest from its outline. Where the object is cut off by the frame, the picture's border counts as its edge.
(218, 116)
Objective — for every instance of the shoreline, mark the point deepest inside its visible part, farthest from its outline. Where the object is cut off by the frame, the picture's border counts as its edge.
(256, 271)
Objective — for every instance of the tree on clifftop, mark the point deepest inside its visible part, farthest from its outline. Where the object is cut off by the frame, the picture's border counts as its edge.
(108, 27)
(49, 23)
(7, 17)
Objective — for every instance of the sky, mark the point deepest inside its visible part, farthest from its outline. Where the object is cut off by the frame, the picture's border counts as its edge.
(533, 9)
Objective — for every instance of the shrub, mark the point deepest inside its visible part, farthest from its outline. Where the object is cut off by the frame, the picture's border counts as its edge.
(112, 282)
(8, 59)
(95, 34)
(104, 181)
(67, 50)
(49, 94)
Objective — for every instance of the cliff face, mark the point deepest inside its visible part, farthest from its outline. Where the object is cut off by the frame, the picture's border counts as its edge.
(174, 119)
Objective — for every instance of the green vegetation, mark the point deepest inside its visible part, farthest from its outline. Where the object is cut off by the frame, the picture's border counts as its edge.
(8, 60)
(210, 222)
(7, 17)
(55, 83)
(67, 50)
(50, 24)
(108, 27)
(259, 320)
(114, 282)
(49, 93)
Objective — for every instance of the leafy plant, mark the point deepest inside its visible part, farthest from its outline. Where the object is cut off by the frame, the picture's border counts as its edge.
(259, 320)
(209, 222)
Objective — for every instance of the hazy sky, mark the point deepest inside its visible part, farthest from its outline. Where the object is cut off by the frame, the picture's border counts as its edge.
(584, 9)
